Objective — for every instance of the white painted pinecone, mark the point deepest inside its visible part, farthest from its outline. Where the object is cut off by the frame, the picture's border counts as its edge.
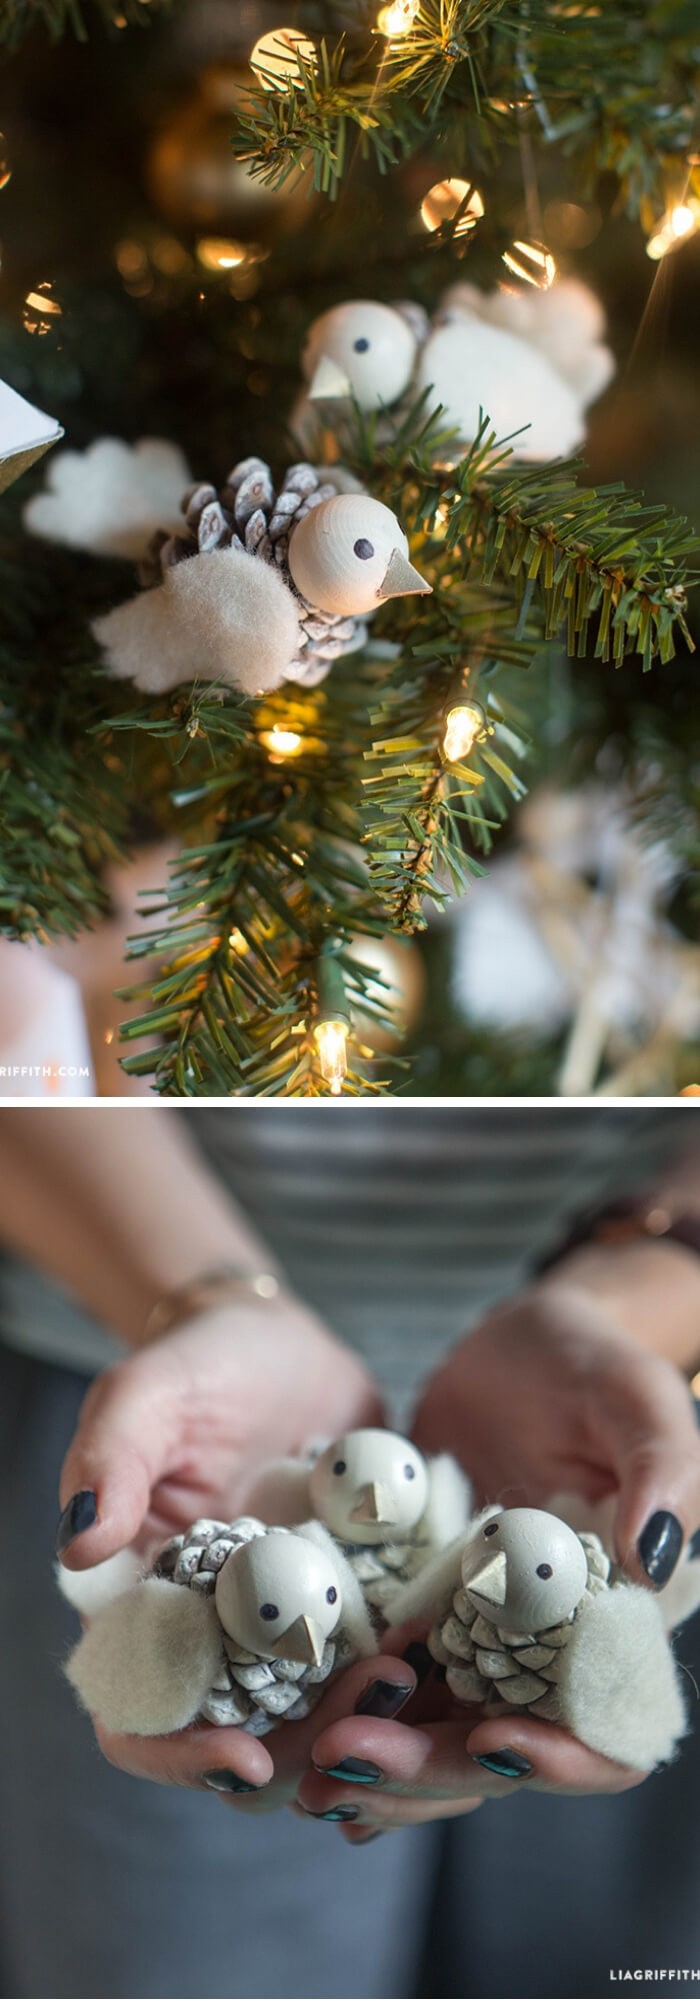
(247, 1692)
(381, 1567)
(508, 1670)
(248, 514)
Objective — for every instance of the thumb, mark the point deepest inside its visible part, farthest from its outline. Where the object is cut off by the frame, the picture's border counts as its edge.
(654, 1446)
(128, 1426)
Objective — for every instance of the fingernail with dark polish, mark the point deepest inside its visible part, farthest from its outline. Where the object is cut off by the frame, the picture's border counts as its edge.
(418, 1657)
(355, 1769)
(81, 1513)
(660, 1545)
(384, 1699)
(336, 1812)
(506, 1763)
(228, 1781)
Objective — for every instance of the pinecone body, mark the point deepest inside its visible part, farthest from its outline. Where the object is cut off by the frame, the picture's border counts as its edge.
(247, 1692)
(380, 1567)
(505, 1670)
(247, 514)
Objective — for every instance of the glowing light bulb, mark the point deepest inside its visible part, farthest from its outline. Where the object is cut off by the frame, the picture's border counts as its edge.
(41, 310)
(463, 726)
(274, 60)
(238, 943)
(532, 264)
(217, 253)
(281, 743)
(398, 18)
(675, 227)
(443, 200)
(331, 1041)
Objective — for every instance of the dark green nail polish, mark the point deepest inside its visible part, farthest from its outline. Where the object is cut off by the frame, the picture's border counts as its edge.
(336, 1812)
(228, 1781)
(81, 1513)
(660, 1545)
(506, 1763)
(384, 1699)
(355, 1769)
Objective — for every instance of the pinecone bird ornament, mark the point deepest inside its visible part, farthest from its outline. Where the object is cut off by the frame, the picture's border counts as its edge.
(541, 1621)
(532, 365)
(255, 585)
(236, 1624)
(388, 1508)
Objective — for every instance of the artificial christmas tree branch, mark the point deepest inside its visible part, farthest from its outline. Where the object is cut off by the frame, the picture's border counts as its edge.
(620, 82)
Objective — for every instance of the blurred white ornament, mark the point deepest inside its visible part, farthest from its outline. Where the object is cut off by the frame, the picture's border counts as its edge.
(572, 931)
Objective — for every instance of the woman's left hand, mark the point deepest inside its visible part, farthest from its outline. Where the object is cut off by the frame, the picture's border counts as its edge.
(546, 1395)
(429, 1764)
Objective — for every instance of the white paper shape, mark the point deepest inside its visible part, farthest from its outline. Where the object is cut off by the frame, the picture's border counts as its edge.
(25, 433)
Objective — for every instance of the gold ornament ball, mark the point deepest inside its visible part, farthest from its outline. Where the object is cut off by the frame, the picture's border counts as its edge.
(194, 179)
(400, 966)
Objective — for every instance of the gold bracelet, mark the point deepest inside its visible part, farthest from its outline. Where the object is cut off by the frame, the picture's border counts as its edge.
(204, 1291)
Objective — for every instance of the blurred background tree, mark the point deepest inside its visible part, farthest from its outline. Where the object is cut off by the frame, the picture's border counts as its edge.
(171, 222)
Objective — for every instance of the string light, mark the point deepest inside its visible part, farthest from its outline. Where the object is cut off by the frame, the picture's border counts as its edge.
(331, 1041)
(218, 253)
(238, 943)
(41, 310)
(444, 199)
(281, 743)
(275, 58)
(532, 264)
(332, 1026)
(5, 168)
(464, 724)
(676, 227)
(398, 18)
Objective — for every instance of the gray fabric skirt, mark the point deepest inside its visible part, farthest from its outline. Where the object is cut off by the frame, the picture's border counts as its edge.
(112, 1887)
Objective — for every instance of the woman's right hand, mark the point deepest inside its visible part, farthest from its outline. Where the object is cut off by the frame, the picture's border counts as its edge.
(183, 1427)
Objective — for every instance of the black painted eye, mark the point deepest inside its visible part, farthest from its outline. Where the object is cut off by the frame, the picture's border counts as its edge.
(409, 1472)
(269, 1611)
(361, 345)
(491, 1528)
(363, 549)
(339, 1468)
(332, 1595)
(544, 1570)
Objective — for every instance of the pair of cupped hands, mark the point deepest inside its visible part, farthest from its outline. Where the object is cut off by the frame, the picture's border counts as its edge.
(543, 1396)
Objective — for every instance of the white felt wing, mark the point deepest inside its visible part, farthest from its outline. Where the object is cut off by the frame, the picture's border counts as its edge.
(111, 498)
(146, 1664)
(619, 1686)
(91, 1590)
(471, 369)
(225, 617)
(449, 1501)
